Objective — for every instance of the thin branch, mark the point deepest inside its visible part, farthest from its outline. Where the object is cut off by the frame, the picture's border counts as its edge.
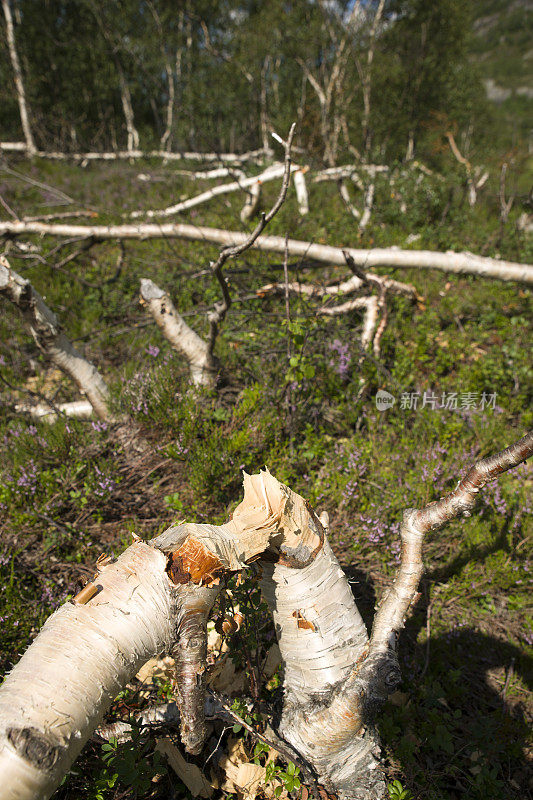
(282, 747)
(217, 315)
(416, 523)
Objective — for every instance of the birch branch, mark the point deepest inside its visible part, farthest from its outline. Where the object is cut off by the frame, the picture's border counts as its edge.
(416, 524)
(270, 174)
(301, 191)
(182, 338)
(79, 409)
(253, 156)
(46, 331)
(252, 202)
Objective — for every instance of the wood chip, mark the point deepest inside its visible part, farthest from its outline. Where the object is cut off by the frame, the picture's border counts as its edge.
(190, 774)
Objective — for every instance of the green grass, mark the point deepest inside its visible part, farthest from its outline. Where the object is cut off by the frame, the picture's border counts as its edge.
(458, 726)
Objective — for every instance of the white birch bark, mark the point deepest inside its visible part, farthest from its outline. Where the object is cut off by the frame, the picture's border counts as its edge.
(46, 331)
(14, 147)
(252, 202)
(395, 257)
(57, 694)
(301, 191)
(19, 83)
(345, 287)
(79, 409)
(182, 338)
(369, 203)
(125, 96)
(253, 156)
(270, 174)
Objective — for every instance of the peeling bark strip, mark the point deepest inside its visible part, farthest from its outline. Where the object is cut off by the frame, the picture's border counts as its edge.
(196, 352)
(459, 263)
(335, 677)
(46, 330)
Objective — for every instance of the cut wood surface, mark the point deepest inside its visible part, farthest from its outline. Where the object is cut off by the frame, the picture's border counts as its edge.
(450, 261)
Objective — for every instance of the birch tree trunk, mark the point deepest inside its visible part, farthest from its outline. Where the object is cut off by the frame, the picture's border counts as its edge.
(19, 83)
(157, 596)
(467, 263)
(184, 340)
(125, 96)
(46, 331)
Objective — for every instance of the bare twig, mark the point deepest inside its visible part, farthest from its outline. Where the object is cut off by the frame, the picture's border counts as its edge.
(217, 315)
(282, 747)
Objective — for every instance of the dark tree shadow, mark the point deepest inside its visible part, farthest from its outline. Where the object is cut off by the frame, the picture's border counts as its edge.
(459, 726)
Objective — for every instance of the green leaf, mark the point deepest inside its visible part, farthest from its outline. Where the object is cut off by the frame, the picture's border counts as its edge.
(237, 728)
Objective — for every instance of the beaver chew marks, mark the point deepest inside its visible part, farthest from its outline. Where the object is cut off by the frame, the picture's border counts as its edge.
(192, 562)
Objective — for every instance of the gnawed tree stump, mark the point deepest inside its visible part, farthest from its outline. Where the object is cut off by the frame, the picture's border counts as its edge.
(156, 598)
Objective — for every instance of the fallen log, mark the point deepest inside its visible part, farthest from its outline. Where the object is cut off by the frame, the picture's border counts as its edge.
(80, 409)
(50, 339)
(270, 174)
(254, 156)
(394, 257)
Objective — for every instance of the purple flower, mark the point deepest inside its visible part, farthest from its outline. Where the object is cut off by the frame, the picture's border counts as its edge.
(153, 350)
(344, 357)
(100, 425)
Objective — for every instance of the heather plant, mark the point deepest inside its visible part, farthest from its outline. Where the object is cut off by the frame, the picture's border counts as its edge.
(458, 724)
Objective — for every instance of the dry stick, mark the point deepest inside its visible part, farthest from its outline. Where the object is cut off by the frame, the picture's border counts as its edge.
(19, 83)
(46, 331)
(281, 746)
(460, 263)
(390, 617)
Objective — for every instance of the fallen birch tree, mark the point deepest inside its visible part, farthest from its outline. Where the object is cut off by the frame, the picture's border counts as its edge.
(199, 354)
(270, 174)
(253, 157)
(372, 332)
(156, 597)
(52, 341)
(394, 257)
